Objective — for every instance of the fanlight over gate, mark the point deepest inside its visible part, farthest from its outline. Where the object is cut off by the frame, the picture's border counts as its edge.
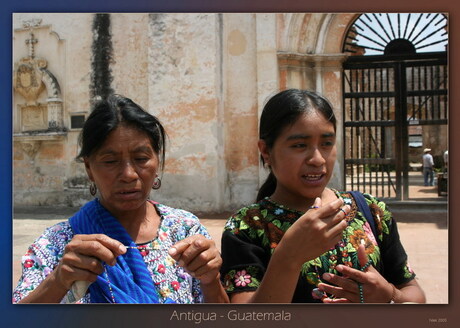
(395, 89)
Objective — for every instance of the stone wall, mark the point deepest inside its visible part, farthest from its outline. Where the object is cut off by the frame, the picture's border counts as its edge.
(44, 172)
(206, 76)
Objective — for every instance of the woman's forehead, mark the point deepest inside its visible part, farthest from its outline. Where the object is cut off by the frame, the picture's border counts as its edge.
(126, 137)
(309, 124)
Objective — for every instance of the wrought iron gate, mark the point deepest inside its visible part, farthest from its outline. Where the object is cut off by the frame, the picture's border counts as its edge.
(385, 96)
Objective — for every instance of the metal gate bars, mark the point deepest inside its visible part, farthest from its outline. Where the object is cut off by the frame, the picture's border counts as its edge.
(389, 103)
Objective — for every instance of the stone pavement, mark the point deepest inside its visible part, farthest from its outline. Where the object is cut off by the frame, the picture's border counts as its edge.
(423, 233)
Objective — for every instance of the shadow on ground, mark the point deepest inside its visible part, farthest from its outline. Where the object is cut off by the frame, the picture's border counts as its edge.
(440, 218)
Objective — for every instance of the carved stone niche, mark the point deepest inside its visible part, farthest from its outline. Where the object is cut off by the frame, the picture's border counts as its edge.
(30, 79)
(38, 121)
(34, 117)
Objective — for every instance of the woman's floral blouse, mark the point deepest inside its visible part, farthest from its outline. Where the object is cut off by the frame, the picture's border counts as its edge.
(170, 280)
(252, 234)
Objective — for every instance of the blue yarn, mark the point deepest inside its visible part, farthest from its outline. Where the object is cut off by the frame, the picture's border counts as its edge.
(129, 278)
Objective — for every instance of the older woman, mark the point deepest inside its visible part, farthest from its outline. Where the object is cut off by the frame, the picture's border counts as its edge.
(127, 248)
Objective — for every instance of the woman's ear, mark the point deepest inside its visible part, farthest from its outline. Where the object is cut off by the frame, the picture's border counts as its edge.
(88, 169)
(264, 151)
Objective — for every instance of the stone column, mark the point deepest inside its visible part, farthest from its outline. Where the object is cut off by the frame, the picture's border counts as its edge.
(267, 69)
(240, 108)
(55, 119)
(329, 70)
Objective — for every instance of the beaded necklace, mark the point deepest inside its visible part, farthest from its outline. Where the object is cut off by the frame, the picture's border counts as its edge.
(360, 286)
(316, 293)
(348, 217)
(143, 247)
(322, 295)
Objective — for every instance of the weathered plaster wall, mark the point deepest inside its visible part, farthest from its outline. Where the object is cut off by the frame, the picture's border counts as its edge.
(206, 77)
(51, 176)
(240, 108)
(268, 79)
(131, 43)
(184, 77)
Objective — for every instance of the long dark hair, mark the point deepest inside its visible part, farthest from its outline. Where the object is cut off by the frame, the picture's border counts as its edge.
(283, 110)
(108, 114)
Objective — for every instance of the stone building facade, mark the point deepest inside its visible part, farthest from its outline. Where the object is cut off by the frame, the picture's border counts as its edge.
(205, 76)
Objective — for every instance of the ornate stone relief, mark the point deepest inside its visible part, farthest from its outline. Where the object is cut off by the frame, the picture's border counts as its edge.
(28, 79)
(31, 148)
(31, 77)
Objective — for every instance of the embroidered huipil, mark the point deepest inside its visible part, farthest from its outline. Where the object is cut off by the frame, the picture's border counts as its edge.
(171, 281)
(253, 233)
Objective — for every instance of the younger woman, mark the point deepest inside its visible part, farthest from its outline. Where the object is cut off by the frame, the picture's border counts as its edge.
(302, 241)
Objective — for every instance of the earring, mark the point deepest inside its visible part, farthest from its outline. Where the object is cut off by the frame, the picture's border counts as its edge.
(266, 166)
(93, 189)
(156, 183)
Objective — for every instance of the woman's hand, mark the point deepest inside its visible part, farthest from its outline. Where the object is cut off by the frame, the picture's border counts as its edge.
(82, 261)
(315, 232)
(199, 257)
(83, 257)
(346, 290)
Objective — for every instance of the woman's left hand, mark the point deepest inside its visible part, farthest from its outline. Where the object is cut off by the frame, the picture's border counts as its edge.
(199, 256)
(375, 288)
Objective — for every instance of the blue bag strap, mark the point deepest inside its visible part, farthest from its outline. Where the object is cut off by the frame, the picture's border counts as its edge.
(364, 208)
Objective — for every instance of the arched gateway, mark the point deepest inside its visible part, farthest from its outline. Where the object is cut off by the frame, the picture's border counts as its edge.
(395, 102)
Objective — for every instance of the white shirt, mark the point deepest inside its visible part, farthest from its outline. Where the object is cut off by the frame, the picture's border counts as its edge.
(428, 160)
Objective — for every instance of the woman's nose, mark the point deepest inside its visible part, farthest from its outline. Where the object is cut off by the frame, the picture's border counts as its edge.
(128, 171)
(316, 158)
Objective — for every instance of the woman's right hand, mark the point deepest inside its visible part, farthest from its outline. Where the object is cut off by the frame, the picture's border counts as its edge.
(83, 257)
(82, 261)
(315, 232)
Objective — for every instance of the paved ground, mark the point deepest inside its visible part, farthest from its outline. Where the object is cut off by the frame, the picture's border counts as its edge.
(424, 235)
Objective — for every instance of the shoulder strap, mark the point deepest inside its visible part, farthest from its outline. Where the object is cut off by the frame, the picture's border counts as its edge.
(364, 208)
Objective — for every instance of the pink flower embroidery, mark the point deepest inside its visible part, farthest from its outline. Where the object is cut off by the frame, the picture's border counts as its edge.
(161, 269)
(368, 230)
(242, 278)
(409, 267)
(26, 282)
(47, 271)
(175, 285)
(29, 263)
(43, 242)
(143, 250)
(163, 235)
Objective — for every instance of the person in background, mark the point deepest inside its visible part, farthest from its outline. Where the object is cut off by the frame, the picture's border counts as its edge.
(301, 241)
(126, 247)
(428, 163)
